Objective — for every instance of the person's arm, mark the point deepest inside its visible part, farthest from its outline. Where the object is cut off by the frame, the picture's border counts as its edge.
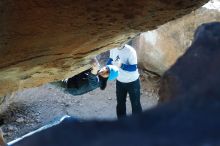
(109, 62)
(93, 81)
(132, 62)
(129, 68)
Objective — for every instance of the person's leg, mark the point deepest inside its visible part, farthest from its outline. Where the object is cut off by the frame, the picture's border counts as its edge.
(134, 94)
(121, 94)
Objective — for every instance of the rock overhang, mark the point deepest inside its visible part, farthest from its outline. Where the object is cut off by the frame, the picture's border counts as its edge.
(43, 41)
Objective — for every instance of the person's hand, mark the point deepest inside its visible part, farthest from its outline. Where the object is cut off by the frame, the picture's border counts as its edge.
(95, 66)
(95, 69)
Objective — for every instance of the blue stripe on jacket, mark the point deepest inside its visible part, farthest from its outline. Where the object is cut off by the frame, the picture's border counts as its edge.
(129, 68)
(125, 67)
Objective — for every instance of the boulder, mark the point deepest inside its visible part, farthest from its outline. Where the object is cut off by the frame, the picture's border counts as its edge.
(43, 40)
(159, 49)
(196, 73)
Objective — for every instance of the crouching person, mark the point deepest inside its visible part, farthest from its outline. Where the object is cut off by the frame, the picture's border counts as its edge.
(89, 80)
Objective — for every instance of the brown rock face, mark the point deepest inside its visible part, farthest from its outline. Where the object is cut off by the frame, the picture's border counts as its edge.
(43, 40)
(159, 49)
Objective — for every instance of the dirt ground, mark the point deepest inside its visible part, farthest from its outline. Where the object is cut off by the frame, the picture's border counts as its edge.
(31, 109)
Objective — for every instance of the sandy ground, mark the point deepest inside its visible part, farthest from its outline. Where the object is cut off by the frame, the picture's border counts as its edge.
(31, 109)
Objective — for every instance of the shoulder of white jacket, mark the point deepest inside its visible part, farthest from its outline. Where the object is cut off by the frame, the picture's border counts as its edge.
(129, 47)
(113, 49)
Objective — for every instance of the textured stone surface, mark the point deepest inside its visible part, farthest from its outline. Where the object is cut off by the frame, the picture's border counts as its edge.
(196, 73)
(190, 120)
(43, 40)
(159, 49)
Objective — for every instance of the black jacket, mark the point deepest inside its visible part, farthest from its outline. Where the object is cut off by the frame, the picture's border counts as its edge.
(82, 83)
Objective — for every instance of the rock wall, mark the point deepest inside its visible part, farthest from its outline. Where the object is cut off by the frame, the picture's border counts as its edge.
(196, 73)
(43, 40)
(192, 119)
(159, 49)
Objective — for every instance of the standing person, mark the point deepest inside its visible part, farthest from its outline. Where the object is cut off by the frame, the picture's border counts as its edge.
(128, 81)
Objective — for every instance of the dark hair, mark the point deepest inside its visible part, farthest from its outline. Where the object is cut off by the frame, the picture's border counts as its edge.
(102, 82)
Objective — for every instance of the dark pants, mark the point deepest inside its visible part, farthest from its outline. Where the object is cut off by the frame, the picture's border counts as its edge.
(133, 89)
